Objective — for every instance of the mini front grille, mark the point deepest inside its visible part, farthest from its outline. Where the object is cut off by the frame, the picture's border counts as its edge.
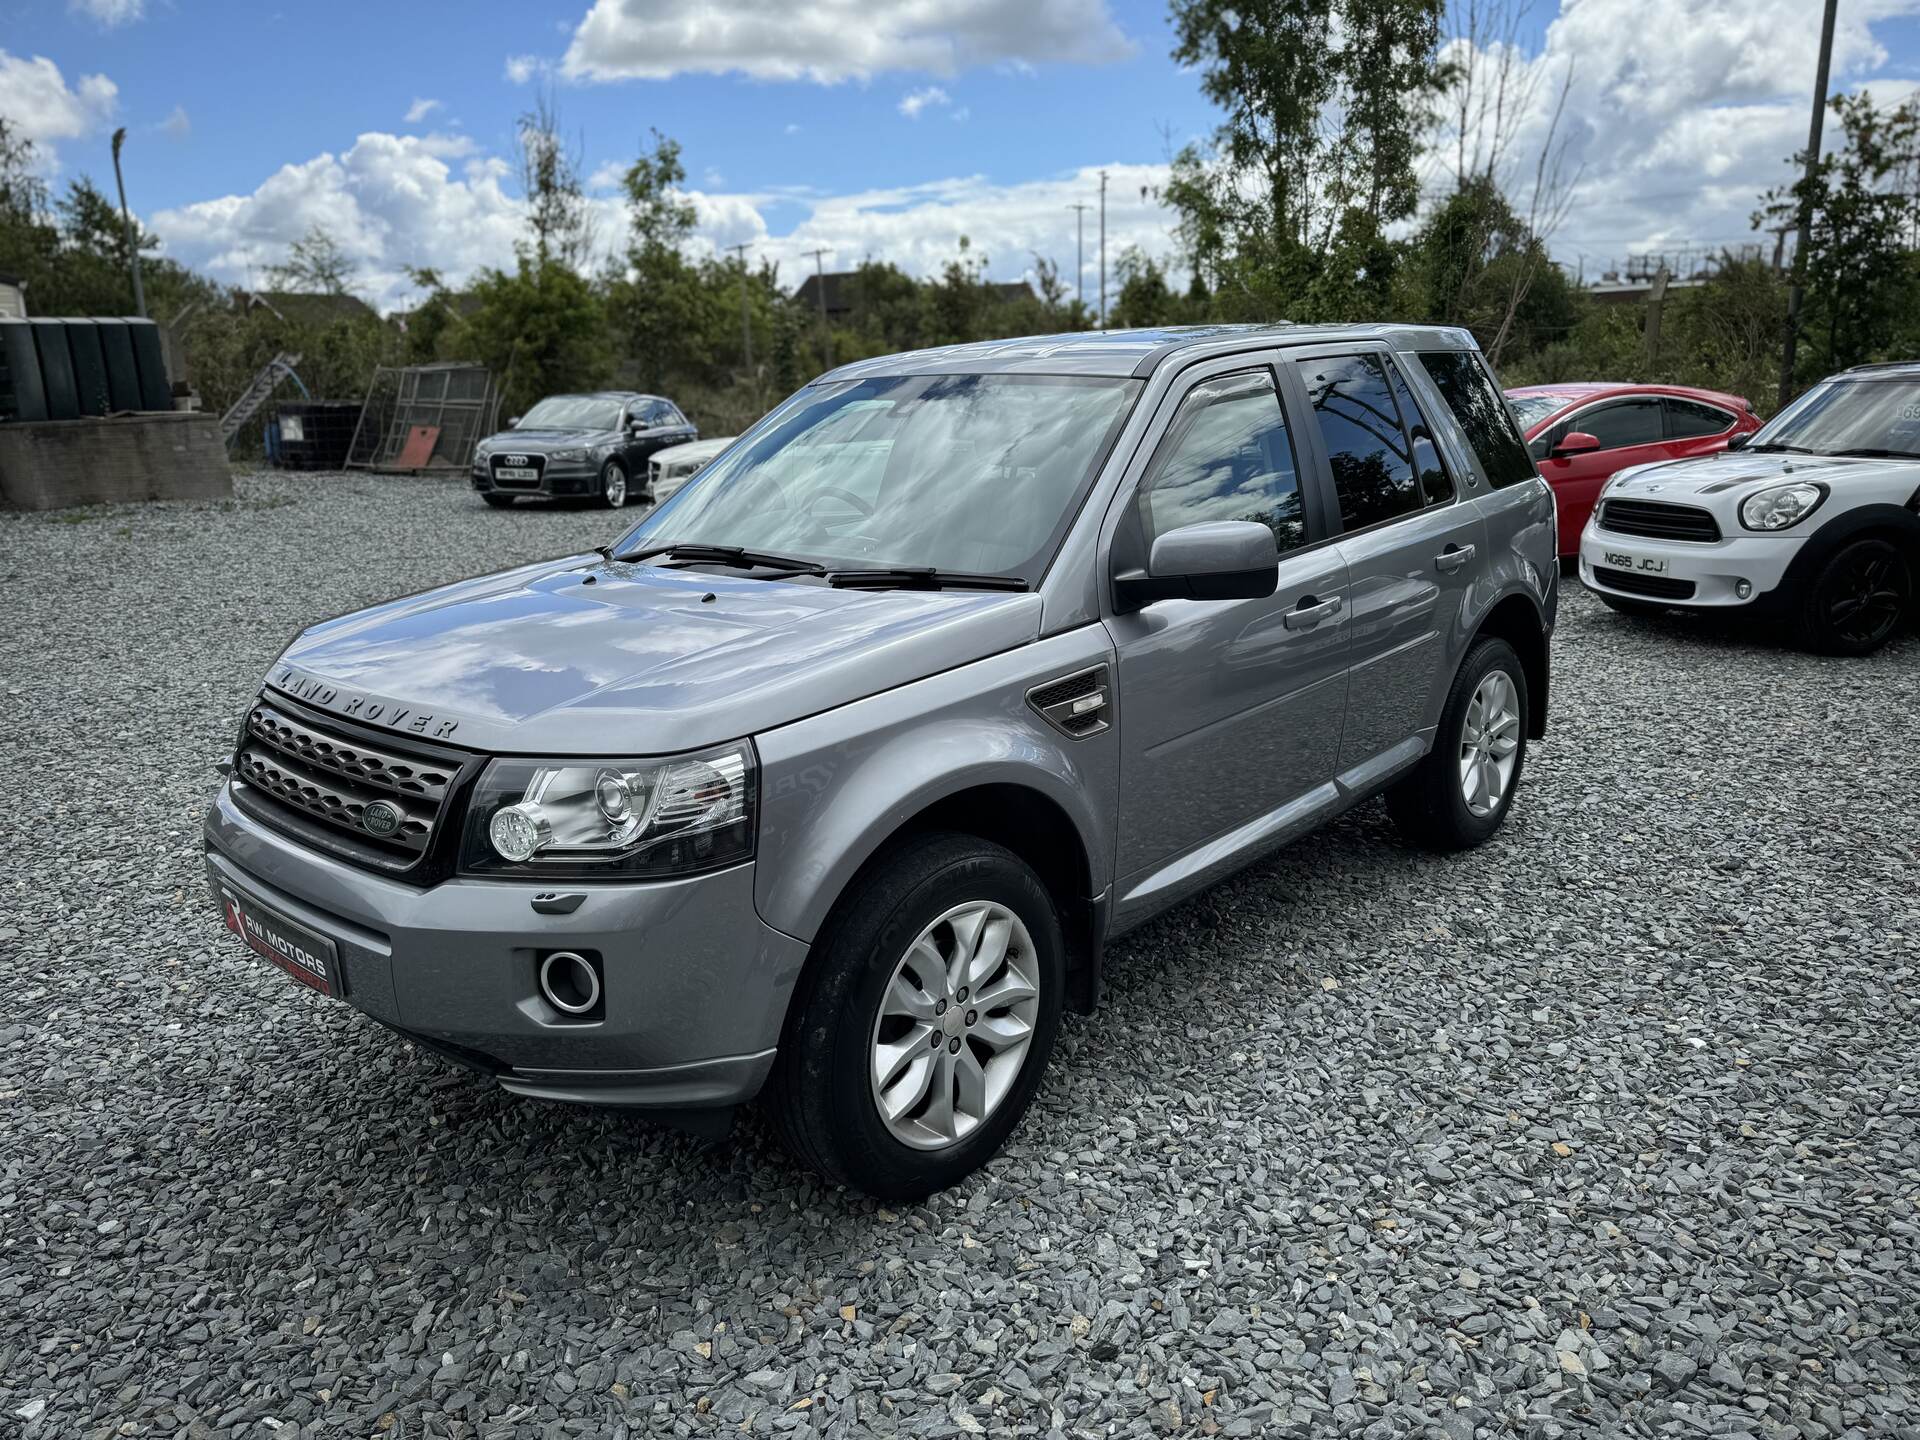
(1657, 587)
(1657, 520)
(329, 778)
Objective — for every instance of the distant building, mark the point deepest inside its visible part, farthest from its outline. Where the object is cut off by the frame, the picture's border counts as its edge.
(310, 310)
(841, 291)
(13, 297)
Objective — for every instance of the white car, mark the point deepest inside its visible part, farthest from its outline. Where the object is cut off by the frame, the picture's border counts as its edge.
(671, 468)
(1813, 523)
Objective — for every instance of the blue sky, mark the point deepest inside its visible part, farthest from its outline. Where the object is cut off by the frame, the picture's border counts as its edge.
(883, 127)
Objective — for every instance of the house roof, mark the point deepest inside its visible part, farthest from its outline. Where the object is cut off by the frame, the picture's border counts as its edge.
(304, 309)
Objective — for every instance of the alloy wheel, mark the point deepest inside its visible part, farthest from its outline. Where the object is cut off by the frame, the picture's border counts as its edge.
(955, 1025)
(614, 485)
(1489, 743)
(1869, 596)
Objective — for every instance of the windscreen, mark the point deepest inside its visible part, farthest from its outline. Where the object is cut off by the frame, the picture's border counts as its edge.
(1874, 417)
(572, 412)
(959, 472)
(1532, 409)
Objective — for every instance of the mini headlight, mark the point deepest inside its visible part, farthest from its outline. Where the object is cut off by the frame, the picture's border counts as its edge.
(613, 818)
(1779, 506)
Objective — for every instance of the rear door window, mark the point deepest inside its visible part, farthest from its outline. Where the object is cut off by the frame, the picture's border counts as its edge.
(1482, 413)
(1367, 448)
(1435, 483)
(1689, 420)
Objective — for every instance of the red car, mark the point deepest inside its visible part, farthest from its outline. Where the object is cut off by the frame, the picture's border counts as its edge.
(1580, 434)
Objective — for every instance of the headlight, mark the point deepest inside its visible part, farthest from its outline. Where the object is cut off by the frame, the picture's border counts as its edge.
(1780, 506)
(613, 819)
(567, 455)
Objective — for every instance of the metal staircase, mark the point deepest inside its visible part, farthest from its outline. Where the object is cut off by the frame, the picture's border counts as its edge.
(255, 395)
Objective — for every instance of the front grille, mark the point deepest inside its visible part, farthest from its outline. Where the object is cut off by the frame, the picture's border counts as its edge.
(1657, 520)
(1657, 587)
(328, 777)
(538, 464)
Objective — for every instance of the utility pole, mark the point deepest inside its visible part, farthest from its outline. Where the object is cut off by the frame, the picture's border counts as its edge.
(746, 323)
(126, 223)
(1080, 248)
(1103, 249)
(820, 281)
(1801, 241)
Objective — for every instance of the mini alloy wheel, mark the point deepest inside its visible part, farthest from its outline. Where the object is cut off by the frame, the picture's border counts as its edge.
(1489, 743)
(954, 1025)
(1859, 599)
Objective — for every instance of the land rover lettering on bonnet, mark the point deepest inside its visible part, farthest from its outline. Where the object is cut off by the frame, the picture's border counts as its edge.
(827, 783)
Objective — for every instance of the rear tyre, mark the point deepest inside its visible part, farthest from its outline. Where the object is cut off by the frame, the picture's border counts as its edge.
(613, 485)
(498, 502)
(1459, 795)
(1630, 607)
(1858, 599)
(924, 1021)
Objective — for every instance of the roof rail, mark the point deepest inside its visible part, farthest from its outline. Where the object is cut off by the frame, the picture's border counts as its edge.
(1882, 365)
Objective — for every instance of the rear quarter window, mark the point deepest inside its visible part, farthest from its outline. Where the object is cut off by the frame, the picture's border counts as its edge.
(1481, 410)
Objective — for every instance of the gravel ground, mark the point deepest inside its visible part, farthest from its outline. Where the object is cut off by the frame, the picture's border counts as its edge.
(1611, 1127)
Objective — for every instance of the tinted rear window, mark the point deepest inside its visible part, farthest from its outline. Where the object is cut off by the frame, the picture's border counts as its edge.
(1482, 411)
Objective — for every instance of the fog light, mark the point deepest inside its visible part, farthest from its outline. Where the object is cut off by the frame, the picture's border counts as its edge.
(518, 831)
(1742, 588)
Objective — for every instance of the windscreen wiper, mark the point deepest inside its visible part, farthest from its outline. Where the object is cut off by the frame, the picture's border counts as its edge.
(1871, 452)
(733, 555)
(921, 577)
(1772, 446)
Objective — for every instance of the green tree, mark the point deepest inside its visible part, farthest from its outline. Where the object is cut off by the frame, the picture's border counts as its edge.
(656, 302)
(1858, 265)
(315, 265)
(540, 328)
(1281, 195)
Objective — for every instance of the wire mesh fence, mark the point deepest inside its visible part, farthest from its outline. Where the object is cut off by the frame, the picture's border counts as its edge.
(424, 417)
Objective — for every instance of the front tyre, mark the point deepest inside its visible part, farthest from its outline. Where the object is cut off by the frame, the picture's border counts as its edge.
(1857, 600)
(613, 485)
(924, 1021)
(1460, 793)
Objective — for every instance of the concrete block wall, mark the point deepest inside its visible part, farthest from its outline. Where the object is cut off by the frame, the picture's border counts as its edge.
(167, 455)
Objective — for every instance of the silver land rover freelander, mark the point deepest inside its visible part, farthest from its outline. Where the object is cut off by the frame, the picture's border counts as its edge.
(828, 781)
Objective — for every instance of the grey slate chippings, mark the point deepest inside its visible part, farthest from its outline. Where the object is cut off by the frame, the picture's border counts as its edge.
(1612, 1127)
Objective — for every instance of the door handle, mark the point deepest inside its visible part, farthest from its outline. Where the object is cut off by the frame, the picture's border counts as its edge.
(1309, 613)
(1452, 558)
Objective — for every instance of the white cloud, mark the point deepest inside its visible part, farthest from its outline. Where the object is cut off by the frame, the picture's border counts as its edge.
(1674, 129)
(177, 125)
(522, 68)
(420, 109)
(828, 41)
(36, 98)
(109, 12)
(914, 101)
(390, 200)
(792, 128)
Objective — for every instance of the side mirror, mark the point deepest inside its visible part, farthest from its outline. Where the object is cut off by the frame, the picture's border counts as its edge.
(513, 422)
(1575, 442)
(1214, 560)
(1739, 442)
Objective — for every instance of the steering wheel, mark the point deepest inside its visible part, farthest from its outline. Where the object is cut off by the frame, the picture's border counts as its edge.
(860, 507)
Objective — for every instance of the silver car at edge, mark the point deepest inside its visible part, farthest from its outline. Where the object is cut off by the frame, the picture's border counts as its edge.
(828, 782)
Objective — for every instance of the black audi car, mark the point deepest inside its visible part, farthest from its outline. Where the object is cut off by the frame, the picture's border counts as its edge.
(579, 445)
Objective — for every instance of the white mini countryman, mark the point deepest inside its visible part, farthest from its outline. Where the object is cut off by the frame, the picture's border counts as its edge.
(1813, 523)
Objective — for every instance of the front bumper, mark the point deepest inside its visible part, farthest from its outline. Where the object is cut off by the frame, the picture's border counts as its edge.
(1713, 570)
(696, 984)
(571, 478)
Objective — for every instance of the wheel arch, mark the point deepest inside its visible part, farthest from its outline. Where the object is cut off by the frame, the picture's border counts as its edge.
(1515, 618)
(1899, 524)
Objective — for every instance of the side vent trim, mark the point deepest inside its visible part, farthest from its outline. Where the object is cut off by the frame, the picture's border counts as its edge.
(1077, 705)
